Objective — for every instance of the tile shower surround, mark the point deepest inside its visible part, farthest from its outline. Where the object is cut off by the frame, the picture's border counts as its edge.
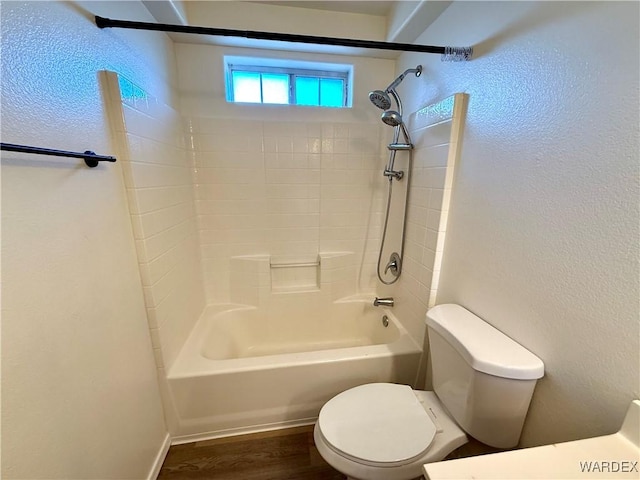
(295, 189)
(157, 176)
(286, 189)
(436, 137)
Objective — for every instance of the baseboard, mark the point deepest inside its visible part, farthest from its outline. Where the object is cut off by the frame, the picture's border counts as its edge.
(201, 437)
(157, 463)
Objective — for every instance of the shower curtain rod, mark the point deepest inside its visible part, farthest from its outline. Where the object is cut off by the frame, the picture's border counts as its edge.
(90, 158)
(448, 53)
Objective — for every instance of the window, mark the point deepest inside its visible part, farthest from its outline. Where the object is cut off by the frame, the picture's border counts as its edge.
(253, 80)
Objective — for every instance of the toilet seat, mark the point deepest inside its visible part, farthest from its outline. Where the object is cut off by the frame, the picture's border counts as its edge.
(378, 424)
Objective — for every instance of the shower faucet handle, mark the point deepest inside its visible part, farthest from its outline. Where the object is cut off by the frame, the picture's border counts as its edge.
(395, 264)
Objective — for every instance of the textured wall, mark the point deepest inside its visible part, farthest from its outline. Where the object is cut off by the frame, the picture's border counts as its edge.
(543, 227)
(80, 398)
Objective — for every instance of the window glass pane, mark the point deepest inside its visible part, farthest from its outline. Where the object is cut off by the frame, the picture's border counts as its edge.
(307, 91)
(331, 92)
(246, 87)
(271, 82)
(275, 88)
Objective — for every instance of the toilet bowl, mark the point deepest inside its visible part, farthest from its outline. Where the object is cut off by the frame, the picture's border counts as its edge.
(384, 431)
(483, 382)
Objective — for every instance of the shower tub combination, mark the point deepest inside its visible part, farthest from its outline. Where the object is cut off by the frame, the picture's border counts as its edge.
(246, 369)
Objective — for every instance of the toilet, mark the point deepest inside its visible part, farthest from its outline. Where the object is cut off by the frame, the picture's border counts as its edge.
(482, 381)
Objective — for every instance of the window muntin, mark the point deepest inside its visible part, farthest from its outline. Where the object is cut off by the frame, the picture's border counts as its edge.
(266, 84)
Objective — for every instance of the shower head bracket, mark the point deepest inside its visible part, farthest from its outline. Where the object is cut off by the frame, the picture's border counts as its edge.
(391, 174)
(400, 146)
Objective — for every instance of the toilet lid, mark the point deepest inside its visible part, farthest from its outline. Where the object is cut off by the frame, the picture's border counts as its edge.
(377, 423)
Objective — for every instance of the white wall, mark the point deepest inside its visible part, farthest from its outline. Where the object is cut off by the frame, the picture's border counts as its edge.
(202, 89)
(543, 234)
(158, 178)
(80, 397)
(283, 180)
(150, 142)
(285, 19)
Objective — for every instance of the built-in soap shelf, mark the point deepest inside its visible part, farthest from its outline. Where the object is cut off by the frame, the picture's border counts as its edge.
(295, 273)
(256, 278)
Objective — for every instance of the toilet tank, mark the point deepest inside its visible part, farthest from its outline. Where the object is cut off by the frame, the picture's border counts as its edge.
(484, 378)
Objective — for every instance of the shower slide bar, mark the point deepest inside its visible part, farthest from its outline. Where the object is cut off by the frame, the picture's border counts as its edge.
(91, 159)
(451, 54)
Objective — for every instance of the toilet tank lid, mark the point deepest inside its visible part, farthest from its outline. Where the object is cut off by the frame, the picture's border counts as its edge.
(484, 347)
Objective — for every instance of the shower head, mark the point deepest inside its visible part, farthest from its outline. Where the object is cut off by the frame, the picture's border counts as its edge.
(394, 119)
(380, 99)
(391, 118)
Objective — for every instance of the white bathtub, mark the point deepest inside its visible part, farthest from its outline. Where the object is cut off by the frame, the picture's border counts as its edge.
(244, 370)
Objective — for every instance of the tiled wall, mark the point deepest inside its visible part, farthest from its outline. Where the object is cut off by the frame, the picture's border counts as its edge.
(158, 179)
(436, 131)
(285, 189)
(260, 281)
(277, 192)
(282, 191)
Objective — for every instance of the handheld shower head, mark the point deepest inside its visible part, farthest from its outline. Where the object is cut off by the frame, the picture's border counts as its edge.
(394, 119)
(380, 99)
(391, 118)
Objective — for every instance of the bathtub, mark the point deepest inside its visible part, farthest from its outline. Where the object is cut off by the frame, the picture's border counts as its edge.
(245, 370)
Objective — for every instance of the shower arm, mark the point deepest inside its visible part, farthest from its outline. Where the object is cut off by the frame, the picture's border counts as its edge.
(398, 81)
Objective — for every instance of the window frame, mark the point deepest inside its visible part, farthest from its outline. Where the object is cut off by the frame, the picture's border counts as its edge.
(292, 69)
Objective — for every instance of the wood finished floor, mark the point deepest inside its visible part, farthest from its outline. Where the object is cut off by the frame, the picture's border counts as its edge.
(288, 454)
(278, 455)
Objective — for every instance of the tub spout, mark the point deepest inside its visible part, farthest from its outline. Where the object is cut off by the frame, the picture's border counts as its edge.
(383, 302)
